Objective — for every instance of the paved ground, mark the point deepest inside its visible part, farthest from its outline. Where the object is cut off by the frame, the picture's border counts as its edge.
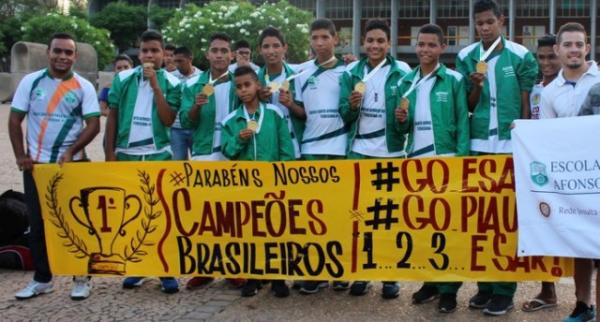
(219, 302)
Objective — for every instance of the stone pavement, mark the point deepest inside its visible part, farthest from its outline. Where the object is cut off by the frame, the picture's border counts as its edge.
(218, 302)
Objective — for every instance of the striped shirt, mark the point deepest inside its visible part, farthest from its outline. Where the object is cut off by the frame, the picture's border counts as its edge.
(55, 111)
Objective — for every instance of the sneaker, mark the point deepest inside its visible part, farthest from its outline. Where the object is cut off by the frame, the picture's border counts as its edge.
(426, 293)
(390, 290)
(480, 300)
(312, 287)
(169, 285)
(499, 305)
(280, 288)
(251, 288)
(582, 313)
(447, 303)
(359, 288)
(236, 282)
(340, 286)
(81, 288)
(197, 282)
(297, 285)
(34, 289)
(133, 282)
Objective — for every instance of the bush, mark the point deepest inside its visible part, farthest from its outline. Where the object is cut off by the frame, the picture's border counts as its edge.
(193, 25)
(39, 29)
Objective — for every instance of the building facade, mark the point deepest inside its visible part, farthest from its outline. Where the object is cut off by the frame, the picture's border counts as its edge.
(526, 20)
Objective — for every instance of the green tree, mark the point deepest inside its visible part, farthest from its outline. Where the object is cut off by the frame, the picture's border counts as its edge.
(193, 25)
(160, 16)
(13, 14)
(38, 29)
(125, 23)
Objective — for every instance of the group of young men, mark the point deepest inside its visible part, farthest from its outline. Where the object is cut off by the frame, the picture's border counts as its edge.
(323, 109)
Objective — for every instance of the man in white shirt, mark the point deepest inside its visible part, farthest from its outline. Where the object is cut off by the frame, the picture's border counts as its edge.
(563, 97)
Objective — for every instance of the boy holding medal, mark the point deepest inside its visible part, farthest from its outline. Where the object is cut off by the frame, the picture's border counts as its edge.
(277, 82)
(501, 74)
(367, 103)
(256, 131)
(207, 99)
(435, 116)
(143, 104)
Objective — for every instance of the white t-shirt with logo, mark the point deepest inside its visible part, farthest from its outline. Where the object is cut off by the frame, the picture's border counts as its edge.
(370, 135)
(55, 111)
(222, 91)
(535, 99)
(424, 141)
(319, 90)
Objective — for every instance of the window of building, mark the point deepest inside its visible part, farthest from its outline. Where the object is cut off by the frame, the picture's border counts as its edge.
(531, 35)
(338, 9)
(308, 5)
(453, 9)
(457, 35)
(573, 8)
(533, 8)
(376, 9)
(410, 9)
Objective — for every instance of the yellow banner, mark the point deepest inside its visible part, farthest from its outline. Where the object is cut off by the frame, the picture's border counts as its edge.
(450, 219)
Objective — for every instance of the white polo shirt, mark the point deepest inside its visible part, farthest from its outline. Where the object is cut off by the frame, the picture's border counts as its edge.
(562, 98)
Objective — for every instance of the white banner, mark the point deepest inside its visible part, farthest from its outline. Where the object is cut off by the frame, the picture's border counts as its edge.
(557, 174)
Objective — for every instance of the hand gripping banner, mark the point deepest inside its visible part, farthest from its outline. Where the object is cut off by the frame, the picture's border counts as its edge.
(446, 219)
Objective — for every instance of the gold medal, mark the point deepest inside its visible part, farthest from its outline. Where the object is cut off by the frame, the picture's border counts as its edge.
(252, 125)
(208, 90)
(285, 85)
(274, 86)
(481, 67)
(148, 65)
(360, 87)
(404, 103)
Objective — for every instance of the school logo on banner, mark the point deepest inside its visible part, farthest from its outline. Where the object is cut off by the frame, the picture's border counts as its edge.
(545, 209)
(538, 173)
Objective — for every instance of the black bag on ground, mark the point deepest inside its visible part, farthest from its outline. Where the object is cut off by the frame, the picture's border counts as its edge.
(14, 249)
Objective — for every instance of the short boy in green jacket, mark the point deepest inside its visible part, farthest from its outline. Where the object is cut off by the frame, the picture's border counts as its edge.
(256, 131)
(434, 113)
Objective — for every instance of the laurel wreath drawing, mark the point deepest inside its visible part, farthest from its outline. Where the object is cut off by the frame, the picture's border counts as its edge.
(133, 251)
(75, 245)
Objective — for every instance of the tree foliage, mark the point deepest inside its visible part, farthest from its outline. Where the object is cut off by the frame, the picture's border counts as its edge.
(125, 23)
(193, 25)
(39, 29)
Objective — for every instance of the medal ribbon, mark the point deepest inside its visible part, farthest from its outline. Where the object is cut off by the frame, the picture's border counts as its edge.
(212, 81)
(418, 82)
(374, 71)
(320, 65)
(261, 110)
(483, 56)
